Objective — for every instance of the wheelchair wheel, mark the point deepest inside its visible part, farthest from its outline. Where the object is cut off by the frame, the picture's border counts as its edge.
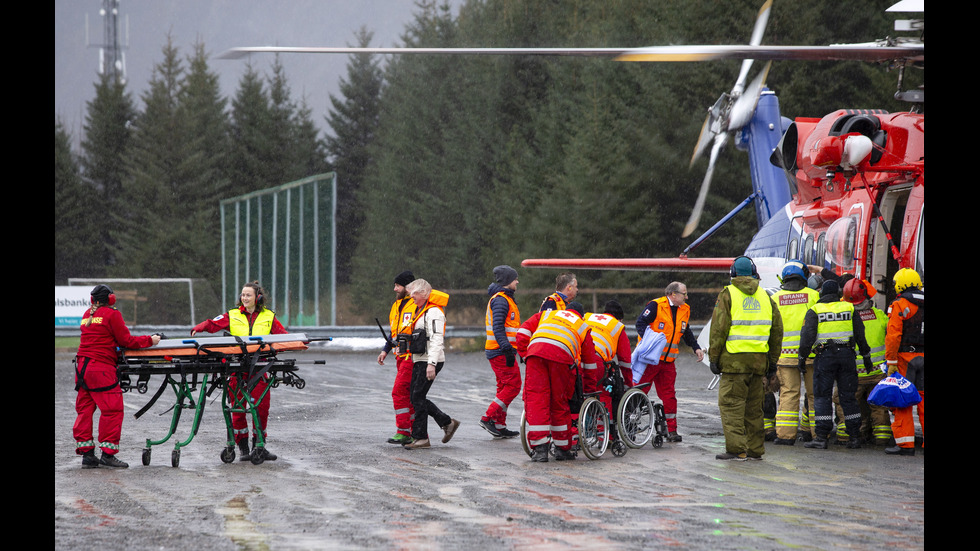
(634, 418)
(525, 443)
(593, 428)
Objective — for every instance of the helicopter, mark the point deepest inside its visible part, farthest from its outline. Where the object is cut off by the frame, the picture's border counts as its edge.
(831, 191)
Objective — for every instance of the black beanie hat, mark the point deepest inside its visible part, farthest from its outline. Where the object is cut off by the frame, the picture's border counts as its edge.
(404, 278)
(504, 275)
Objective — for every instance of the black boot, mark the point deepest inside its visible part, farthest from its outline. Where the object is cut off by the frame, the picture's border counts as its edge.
(817, 443)
(269, 456)
(89, 461)
(540, 453)
(246, 454)
(111, 461)
(564, 455)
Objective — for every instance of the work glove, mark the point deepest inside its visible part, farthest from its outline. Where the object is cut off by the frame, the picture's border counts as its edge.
(868, 365)
(892, 369)
(509, 355)
(770, 370)
(802, 366)
(715, 368)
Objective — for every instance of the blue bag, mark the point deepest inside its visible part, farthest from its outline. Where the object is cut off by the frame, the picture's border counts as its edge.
(894, 391)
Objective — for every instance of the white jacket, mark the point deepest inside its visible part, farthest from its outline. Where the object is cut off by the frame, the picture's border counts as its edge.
(434, 321)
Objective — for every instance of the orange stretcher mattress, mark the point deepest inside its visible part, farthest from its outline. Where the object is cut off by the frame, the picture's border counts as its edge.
(204, 346)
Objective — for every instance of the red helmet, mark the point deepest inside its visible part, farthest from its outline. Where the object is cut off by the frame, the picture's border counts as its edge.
(855, 291)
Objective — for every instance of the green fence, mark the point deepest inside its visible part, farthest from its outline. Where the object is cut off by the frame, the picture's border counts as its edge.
(285, 238)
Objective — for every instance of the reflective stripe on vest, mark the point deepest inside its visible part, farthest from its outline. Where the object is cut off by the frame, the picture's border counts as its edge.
(875, 328)
(605, 334)
(563, 329)
(793, 306)
(751, 321)
(672, 329)
(512, 324)
(834, 321)
(239, 327)
(559, 302)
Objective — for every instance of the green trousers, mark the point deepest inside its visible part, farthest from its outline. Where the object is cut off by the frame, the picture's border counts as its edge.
(740, 398)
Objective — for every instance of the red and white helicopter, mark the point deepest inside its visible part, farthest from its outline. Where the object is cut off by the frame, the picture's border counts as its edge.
(845, 191)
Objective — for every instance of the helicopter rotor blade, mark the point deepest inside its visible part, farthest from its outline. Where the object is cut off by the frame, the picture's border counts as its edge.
(744, 106)
(721, 140)
(761, 20)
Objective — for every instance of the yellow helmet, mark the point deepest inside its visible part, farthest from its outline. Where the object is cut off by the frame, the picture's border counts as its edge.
(906, 278)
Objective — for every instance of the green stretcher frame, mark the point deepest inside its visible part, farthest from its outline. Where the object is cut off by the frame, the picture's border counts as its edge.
(202, 366)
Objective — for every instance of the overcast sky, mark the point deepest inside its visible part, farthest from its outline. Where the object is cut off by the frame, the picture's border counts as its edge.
(219, 24)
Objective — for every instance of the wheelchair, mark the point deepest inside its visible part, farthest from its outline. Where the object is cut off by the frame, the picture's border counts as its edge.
(636, 420)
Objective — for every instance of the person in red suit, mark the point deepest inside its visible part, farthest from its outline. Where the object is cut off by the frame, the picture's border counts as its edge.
(103, 333)
(251, 317)
(552, 343)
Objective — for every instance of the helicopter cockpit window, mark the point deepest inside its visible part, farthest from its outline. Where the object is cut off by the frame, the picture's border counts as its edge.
(842, 242)
(807, 252)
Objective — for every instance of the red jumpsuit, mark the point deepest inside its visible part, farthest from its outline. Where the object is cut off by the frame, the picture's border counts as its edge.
(239, 422)
(905, 316)
(552, 342)
(400, 321)
(96, 380)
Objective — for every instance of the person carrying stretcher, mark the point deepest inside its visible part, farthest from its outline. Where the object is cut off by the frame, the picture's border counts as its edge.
(96, 380)
(251, 317)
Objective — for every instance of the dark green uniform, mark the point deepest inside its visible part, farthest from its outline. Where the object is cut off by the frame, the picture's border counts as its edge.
(743, 363)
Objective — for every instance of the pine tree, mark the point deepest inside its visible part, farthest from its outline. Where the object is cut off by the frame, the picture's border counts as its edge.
(77, 216)
(353, 122)
(107, 135)
(251, 144)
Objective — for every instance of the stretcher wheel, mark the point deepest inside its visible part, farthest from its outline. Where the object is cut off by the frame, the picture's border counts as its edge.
(175, 458)
(257, 456)
(146, 456)
(593, 428)
(635, 418)
(525, 443)
(228, 454)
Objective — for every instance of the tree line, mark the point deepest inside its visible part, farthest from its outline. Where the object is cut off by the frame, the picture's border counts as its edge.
(450, 165)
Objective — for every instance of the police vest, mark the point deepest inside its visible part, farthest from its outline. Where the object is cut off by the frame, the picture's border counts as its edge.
(751, 321)
(793, 306)
(559, 302)
(238, 323)
(834, 321)
(875, 327)
(512, 324)
(672, 329)
(605, 334)
(563, 329)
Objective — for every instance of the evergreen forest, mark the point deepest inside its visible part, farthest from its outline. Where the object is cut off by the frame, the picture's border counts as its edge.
(451, 165)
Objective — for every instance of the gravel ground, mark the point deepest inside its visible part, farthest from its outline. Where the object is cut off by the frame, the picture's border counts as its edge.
(338, 485)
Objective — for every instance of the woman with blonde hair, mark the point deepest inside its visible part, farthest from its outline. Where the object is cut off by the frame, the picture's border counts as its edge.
(428, 358)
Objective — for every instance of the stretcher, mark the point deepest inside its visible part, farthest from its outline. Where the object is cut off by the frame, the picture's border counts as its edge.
(194, 368)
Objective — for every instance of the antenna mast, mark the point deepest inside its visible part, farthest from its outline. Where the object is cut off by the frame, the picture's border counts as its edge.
(112, 61)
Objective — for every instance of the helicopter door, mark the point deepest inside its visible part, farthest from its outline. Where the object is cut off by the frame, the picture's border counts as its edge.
(881, 263)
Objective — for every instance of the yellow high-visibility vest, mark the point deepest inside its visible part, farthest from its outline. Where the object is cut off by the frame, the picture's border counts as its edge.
(751, 321)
